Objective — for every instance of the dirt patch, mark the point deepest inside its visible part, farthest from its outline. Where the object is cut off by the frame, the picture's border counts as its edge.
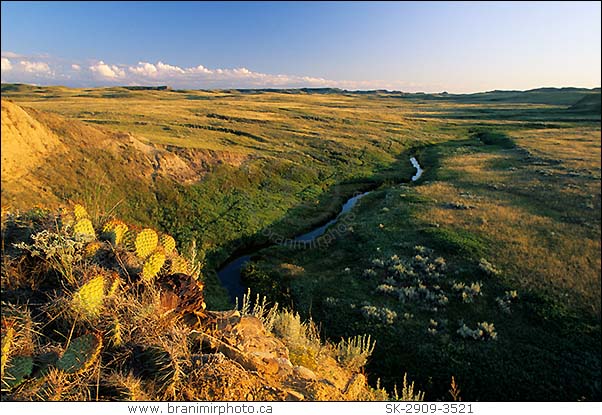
(25, 142)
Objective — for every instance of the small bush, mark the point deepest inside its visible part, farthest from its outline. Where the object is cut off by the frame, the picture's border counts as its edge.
(407, 392)
(354, 352)
(488, 268)
(484, 331)
(301, 338)
(382, 314)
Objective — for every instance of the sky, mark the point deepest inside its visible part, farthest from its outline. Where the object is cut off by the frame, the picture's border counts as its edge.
(458, 47)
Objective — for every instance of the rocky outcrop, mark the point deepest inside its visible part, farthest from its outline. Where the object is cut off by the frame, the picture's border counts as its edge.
(240, 347)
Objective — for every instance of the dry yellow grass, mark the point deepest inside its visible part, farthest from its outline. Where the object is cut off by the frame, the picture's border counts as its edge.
(537, 250)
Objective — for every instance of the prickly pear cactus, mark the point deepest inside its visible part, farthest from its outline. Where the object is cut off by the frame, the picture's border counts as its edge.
(16, 371)
(114, 283)
(129, 240)
(116, 333)
(84, 229)
(153, 265)
(178, 265)
(114, 231)
(160, 363)
(80, 212)
(92, 248)
(88, 300)
(81, 354)
(168, 243)
(8, 335)
(146, 243)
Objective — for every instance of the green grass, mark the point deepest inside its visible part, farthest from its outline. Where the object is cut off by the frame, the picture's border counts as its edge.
(510, 177)
(536, 356)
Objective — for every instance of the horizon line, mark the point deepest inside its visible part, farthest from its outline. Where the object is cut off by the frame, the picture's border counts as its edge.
(388, 91)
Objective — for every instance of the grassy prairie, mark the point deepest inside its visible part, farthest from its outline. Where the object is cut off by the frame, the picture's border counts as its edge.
(503, 228)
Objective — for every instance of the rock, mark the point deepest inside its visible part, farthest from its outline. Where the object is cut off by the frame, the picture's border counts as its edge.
(284, 364)
(294, 396)
(225, 320)
(304, 373)
(269, 366)
(274, 365)
(250, 337)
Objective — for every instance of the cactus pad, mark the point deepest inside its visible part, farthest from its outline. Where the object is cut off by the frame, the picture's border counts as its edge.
(79, 212)
(178, 265)
(84, 228)
(114, 284)
(116, 333)
(153, 265)
(146, 243)
(129, 240)
(114, 231)
(17, 369)
(81, 354)
(92, 248)
(87, 301)
(8, 335)
(168, 243)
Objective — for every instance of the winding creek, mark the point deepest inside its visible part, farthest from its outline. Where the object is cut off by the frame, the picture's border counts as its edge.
(229, 274)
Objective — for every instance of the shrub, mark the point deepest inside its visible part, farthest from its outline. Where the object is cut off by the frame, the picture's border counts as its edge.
(468, 292)
(488, 268)
(382, 314)
(354, 352)
(407, 392)
(259, 308)
(484, 331)
(59, 250)
(369, 273)
(301, 338)
(509, 298)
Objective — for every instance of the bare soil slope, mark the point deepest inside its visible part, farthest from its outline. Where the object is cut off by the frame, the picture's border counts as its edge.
(47, 159)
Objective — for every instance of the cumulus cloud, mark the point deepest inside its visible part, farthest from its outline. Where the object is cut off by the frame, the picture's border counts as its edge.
(11, 55)
(107, 71)
(6, 65)
(202, 77)
(35, 67)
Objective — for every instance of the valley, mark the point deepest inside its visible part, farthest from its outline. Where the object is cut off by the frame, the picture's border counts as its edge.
(473, 251)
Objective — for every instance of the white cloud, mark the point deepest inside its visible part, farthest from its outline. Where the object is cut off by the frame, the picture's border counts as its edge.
(202, 77)
(11, 55)
(144, 69)
(6, 65)
(98, 73)
(165, 68)
(199, 69)
(35, 67)
(107, 71)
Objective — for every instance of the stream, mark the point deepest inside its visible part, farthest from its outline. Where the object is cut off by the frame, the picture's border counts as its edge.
(229, 274)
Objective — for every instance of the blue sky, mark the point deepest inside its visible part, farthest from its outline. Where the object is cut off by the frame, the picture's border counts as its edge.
(453, 46)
